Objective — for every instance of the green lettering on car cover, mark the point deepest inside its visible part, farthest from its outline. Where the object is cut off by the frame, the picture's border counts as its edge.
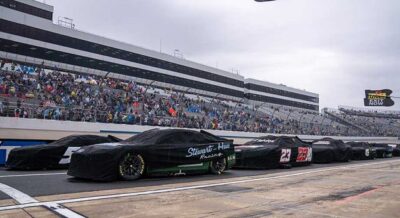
(182, 168)
(231, 160)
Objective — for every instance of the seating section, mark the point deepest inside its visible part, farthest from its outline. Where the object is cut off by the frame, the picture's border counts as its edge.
(50, 94)
(375, 123)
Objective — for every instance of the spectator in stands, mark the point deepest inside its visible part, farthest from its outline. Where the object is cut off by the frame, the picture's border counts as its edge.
(17, 112)
(1, 107)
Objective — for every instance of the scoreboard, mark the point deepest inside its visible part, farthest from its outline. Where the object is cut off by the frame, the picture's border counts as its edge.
(378, 98)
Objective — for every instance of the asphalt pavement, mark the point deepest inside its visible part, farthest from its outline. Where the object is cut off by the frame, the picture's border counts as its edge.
(53, 182)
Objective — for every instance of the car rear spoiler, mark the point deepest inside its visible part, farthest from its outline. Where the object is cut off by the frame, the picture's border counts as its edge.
(116, 139)
(214, 136)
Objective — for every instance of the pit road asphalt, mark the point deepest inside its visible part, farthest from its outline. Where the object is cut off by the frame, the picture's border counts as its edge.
(40, 183)
(354, 189)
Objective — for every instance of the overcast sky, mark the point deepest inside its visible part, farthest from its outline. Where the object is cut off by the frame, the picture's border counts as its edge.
(337, 48)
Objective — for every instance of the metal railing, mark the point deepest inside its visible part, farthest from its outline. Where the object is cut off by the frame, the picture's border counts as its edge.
(35, 111)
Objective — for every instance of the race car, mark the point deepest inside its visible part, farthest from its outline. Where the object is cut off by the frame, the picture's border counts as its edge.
(329, 150)
(362, 151)
(273, 152)
(396, 151)
(383, 150)
(154, 152)
(55, 155)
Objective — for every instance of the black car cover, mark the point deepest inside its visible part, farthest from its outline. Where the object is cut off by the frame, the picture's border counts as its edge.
(329, 150)
(53, 155)
(362, 150)
(272, 152)
(396, 151)
(160, 149)
(383, 150)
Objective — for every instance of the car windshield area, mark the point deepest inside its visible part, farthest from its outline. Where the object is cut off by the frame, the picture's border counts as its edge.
(188, 137)
(381, 145)
(73, 139)
(262, 140)
(149, 136)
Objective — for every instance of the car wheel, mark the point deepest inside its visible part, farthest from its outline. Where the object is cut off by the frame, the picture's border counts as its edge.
(218, 166)
(131, 166)
(285, 166)
(330, 158)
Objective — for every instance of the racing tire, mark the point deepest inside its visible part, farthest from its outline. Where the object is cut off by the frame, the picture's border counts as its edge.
(218, 166)
(131, 167)
(285, 166)
(349, 157)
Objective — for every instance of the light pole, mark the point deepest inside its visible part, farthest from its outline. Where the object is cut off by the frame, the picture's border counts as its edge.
(147, 87)
(239, 102)
(275, 109)
(215, 96)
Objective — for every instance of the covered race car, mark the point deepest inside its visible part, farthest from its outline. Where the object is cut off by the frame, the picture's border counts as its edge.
(383, 150)
(154, 152)
(55, 155)
(329, 150)
(396, 151)
(362, 150)
(273, 152)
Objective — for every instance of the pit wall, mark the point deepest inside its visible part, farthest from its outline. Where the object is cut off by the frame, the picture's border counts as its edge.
(35, 129)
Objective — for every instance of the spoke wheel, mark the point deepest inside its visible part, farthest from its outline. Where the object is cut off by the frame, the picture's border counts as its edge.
(218, 166)
(131, 166)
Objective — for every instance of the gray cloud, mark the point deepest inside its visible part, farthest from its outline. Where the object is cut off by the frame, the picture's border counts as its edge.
(336, 48)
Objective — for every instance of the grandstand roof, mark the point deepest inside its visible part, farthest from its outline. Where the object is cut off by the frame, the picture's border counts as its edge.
(37, 4)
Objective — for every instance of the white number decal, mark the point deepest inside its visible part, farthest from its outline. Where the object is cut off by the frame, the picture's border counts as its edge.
(66, 158)
(285, 155)
(367, 152)
(309, 156)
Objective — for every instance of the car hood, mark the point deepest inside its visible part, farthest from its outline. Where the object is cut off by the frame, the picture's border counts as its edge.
(100, 147)
(32, 150)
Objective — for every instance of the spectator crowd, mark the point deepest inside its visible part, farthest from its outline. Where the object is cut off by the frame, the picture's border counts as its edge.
(45, 94)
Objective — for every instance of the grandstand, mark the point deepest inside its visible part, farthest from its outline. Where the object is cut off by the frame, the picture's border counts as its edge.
(27, 37)
(367, 121)
(53, 72)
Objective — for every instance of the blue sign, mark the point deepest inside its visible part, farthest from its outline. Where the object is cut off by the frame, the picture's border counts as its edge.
(7, 145)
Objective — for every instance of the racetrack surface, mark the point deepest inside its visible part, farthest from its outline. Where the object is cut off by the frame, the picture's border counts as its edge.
(58, 182)
(321, 190)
